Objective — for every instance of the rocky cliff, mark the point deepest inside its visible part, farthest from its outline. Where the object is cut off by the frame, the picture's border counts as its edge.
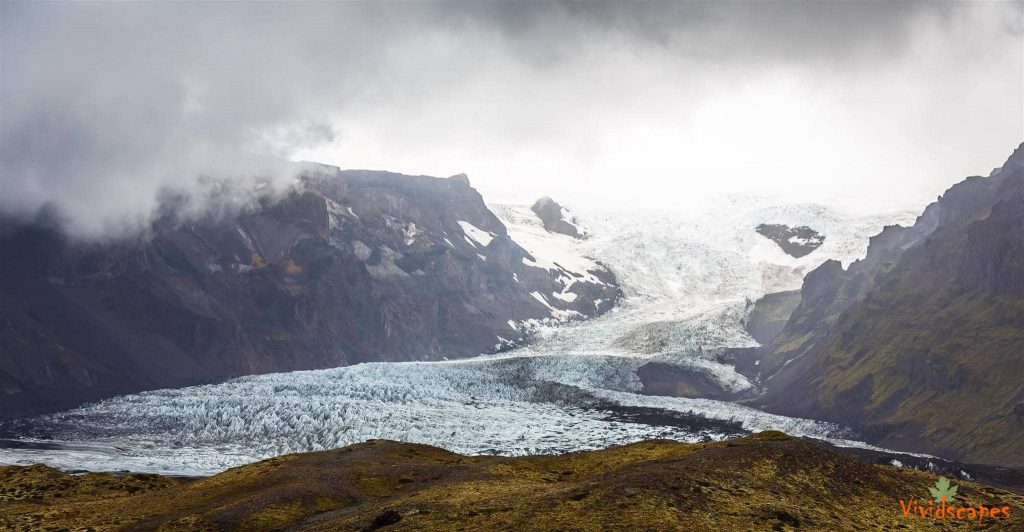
(921, 344)
(351, 266)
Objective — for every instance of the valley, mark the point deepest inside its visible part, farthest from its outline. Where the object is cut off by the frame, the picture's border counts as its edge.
(501, 265)
(688, 280)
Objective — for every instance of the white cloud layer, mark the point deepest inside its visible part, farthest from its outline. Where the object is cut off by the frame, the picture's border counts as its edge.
(106, 107)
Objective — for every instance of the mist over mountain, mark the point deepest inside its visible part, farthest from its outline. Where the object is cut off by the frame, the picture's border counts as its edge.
(348, 267)
(109, 107)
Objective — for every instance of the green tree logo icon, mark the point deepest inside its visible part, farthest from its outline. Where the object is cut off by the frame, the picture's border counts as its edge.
(943, 491)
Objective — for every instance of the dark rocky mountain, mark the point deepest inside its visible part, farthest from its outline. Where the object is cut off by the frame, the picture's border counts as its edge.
(795, 241)
(765, 481)
(352, 266)
(921, 344)
(555, 218)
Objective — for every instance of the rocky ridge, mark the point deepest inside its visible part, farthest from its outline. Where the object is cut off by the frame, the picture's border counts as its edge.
(795, 241)
(351, 266)
(921, 344)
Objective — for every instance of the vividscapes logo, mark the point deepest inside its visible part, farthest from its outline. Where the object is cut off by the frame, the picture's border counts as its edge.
(941, 506)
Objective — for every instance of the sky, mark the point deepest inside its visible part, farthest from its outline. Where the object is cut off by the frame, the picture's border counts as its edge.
(108, 108)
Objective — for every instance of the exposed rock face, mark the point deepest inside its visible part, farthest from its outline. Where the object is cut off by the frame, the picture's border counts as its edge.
(921, 344)
(354, 266)
(770, 314)
(555, 218)
(661, 378)
(795, 241)
(766, 481)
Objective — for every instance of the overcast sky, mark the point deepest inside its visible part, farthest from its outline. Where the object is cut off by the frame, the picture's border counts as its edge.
(102, 106)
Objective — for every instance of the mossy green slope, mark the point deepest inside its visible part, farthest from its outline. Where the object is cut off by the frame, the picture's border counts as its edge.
(921, 346)
(952, 387)
(770, 313)
(763, 482)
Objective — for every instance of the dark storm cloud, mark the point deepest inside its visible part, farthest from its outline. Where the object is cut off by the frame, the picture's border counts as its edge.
(105, 106)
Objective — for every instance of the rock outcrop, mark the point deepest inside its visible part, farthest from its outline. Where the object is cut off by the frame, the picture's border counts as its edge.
(769, 315)
(555, 218)
(921, 344)
(672, 380)
(352, 266)
(795, 241)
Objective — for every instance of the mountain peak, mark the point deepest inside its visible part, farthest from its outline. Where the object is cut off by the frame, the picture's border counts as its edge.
(460, 178)
(1015, 161)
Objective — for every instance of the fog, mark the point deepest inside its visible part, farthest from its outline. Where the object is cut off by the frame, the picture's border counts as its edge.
(105, 108)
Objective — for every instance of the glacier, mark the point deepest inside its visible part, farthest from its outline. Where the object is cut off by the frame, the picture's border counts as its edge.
(688, 278)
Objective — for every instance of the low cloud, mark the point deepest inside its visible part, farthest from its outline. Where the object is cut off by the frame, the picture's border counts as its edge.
(106, 108)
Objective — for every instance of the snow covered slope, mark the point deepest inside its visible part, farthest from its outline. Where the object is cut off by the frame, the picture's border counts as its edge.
(687, 279)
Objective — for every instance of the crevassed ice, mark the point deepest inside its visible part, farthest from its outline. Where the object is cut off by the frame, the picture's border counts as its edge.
(501, 406)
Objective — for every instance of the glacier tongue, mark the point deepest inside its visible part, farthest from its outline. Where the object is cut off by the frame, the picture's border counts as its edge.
(687, 279)
(487, 406)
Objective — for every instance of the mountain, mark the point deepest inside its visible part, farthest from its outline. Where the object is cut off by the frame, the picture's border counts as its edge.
(351, 266)
(921, 344)
(766, 481)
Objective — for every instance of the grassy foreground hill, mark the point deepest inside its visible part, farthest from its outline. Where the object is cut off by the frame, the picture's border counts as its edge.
(766, 481)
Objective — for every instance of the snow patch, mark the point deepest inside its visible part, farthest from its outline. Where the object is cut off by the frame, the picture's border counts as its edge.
(550, 251)
(568, 297)
(476, 236)
(543, 301)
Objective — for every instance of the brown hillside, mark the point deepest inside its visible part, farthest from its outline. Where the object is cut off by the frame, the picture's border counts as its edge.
(761, 482)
